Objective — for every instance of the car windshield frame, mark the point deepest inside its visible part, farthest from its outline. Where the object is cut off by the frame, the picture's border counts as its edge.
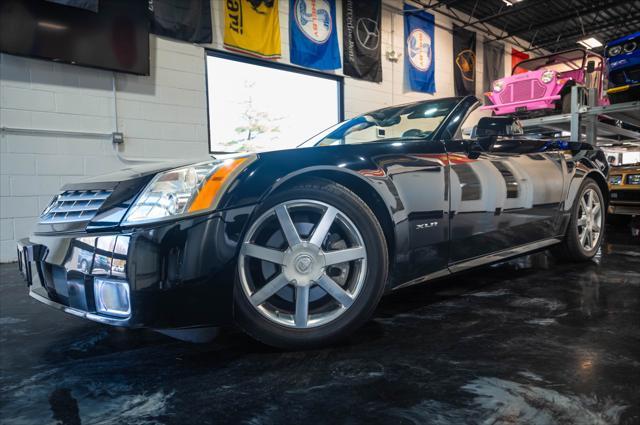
(386, 118)
(548, 60)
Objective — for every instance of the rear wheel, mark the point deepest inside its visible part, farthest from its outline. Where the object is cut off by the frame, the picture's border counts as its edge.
(312, 267)
(586, 226)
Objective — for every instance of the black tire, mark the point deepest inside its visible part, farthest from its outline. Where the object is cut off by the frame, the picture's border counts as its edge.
(565, 100)
(565, 103)
(571, 249)
(277, 335)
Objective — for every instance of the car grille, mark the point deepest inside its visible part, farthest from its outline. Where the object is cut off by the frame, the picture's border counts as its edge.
(74, 205)
(625, 195)
(522, 90)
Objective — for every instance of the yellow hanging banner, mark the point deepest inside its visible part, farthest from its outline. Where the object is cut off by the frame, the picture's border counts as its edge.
(252, 27)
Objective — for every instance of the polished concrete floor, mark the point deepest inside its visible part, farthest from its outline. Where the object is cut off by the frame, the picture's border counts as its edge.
(526, 342)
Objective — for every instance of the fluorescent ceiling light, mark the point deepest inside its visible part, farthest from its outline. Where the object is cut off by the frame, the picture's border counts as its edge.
(590, 43)
(511, 2)
(52, 26)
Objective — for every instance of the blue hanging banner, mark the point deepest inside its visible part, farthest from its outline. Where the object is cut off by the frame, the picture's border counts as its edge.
(419, 49)
(313, 34)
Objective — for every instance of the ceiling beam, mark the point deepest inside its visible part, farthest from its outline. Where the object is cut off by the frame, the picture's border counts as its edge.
(627, 20)
(510, 11)
(438, 4)
(563, 18)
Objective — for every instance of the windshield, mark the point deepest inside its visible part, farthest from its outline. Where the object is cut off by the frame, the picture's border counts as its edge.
(564, 61)
(405, 122)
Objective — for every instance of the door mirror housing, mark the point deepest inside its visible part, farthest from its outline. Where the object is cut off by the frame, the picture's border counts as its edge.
(497, 126)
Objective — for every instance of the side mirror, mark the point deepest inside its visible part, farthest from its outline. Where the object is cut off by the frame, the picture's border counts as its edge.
(591, 66)
(481, 144)
(498, 126)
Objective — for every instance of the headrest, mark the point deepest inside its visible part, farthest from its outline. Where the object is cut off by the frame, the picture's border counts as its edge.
(498, 126)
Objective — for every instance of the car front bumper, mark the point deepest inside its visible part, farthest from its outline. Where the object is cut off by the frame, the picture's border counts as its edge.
(624, 201)
(547, 102)
(180, 274)
(625, 93)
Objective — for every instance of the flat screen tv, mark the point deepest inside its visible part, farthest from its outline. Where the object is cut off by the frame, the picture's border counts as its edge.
(114, 38)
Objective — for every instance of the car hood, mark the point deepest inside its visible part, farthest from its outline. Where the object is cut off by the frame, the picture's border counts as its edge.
(142, 170)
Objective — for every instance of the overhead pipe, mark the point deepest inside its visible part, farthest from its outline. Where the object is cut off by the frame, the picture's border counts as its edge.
(579, 34)
(510, 11)
(562, 18)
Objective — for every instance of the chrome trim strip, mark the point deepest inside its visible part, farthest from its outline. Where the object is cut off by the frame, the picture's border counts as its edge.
(430, 276)
(502, 255)
(79, 313)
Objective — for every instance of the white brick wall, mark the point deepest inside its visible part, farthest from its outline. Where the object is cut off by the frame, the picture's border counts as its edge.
(161, 116)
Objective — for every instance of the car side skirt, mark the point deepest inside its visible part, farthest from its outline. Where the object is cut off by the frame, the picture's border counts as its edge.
(484, 260)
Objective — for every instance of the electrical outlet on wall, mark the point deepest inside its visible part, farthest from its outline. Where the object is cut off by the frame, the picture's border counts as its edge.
(393, 56)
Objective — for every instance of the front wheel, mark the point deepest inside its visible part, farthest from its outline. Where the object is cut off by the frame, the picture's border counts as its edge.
(312, 267)
(586, 226)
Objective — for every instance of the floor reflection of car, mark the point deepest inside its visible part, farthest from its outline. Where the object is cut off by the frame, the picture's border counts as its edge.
(543, 85)
(624, 190)
(298, 246)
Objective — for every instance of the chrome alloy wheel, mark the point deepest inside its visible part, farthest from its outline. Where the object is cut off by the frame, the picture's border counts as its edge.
(302, 263)
(589, 221)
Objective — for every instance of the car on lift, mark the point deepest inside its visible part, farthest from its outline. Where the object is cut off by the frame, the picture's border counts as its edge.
(624, 190)
(542, 85)
(623, 68)
(297, 246)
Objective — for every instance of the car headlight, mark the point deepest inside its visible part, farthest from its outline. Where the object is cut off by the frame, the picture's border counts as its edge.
(547, 77)
(615, 50)
(185, 190)
(630, 47)
(633, 179)
(498, 86)
(615, 179)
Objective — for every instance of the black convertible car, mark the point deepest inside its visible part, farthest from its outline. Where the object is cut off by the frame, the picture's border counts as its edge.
(297, 246)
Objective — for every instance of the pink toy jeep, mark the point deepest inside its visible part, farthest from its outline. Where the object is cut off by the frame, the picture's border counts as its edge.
(542, 85)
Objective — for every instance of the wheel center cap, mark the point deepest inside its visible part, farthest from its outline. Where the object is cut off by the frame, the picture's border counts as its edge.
(303, 263)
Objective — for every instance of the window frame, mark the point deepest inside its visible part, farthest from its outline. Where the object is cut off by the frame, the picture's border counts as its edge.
(269, 64)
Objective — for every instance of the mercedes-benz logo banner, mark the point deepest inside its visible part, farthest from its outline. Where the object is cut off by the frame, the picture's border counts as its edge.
(313, 34)
(464, 61)
(361, 38)
(419, 50)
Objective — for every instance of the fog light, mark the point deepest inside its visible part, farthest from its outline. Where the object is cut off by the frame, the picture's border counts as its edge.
(112, 297)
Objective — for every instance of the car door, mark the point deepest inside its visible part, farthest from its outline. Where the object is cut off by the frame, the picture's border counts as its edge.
(414, 178)
(504, 197)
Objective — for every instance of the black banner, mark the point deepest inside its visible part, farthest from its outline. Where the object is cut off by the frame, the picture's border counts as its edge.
(492, 65)
(183, 20)
(464, 61)
(91, 5)
(361, 39)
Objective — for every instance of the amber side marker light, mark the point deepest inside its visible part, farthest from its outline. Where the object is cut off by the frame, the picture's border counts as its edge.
(212, 189)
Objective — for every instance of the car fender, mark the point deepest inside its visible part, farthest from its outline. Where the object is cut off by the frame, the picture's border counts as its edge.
(368, 174)
(582, 164)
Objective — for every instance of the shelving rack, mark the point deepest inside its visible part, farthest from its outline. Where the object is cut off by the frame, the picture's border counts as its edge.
(590, 123)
